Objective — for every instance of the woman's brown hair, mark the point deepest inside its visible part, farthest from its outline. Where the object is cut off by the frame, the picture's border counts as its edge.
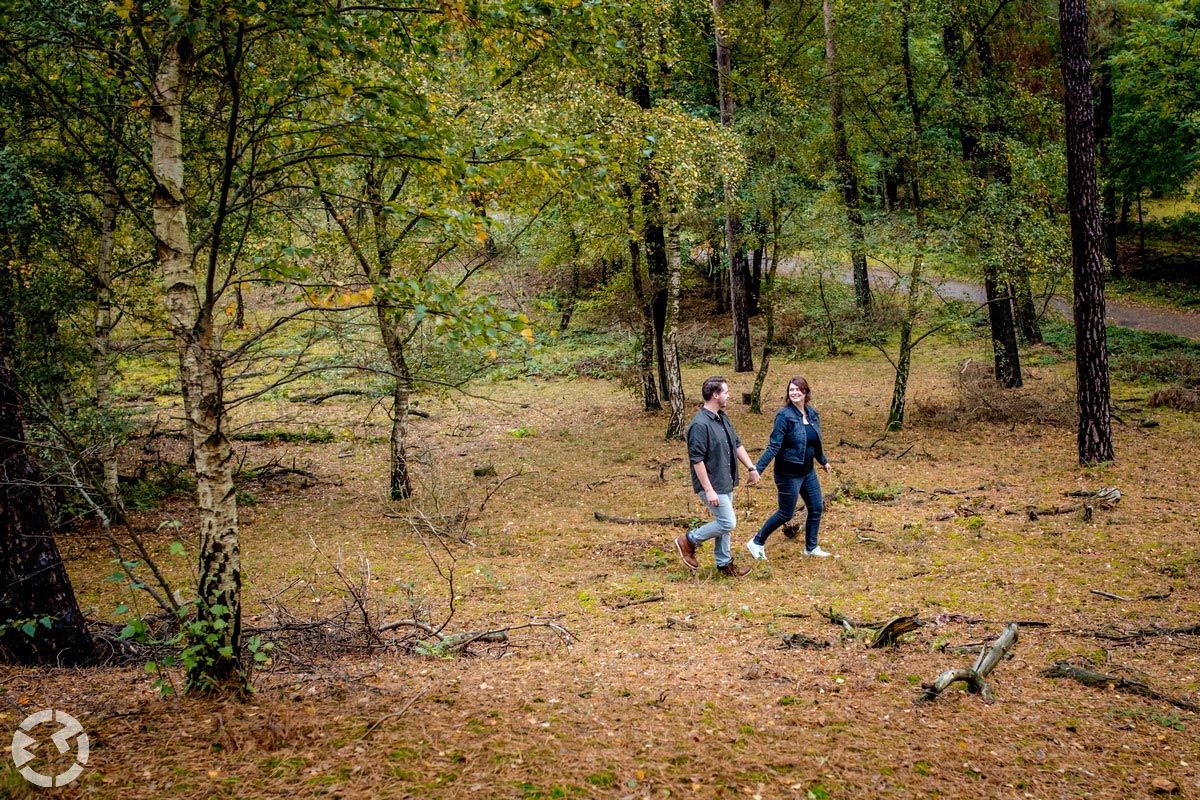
(800, 383)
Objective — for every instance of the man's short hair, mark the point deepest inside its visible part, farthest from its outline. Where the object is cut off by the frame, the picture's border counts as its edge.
(711, 386)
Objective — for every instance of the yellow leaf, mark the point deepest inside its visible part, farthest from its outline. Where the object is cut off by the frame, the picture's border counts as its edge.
(528, 335)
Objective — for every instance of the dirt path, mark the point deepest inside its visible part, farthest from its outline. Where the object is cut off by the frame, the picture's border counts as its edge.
(1125, 315)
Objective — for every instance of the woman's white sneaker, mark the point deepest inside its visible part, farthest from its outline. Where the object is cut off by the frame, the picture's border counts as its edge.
(759, 551)
(817, 551)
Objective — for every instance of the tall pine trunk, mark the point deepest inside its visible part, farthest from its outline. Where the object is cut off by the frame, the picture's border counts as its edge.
(1087, 258)
(847, 176)
(217, 665)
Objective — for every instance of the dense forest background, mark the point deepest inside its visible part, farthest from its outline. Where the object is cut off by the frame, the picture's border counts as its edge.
(237, 200)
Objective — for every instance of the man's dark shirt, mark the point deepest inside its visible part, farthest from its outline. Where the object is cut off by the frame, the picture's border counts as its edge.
(711, 439)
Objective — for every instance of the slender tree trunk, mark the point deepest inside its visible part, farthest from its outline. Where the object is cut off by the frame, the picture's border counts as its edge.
(650, 397)
(101, 329)
(1027, 315)
(1087, 258)
(743, 355)
(34, 585)
(903, 364)
(674, 384)
(649, 199)
(1004, 333)
(392, 330)
(847, 176)
(399, 483)
(218, 664)
(656, 274)
(768, 306)
(576, 287)
(239, 317)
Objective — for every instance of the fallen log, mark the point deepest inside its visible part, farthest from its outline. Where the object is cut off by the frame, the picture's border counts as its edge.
(1087, 677)
(677, 522)
(974, 677)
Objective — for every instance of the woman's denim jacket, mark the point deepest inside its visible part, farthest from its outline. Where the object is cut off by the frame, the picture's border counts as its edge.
(789, 440)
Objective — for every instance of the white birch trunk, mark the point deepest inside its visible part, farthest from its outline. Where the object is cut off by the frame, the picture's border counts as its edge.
(191, 323)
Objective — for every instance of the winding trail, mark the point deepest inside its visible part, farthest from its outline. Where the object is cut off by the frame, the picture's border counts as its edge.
(1125, 315)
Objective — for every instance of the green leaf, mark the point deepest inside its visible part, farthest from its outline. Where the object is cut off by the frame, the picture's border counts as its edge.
(29, 628)
(177, 549)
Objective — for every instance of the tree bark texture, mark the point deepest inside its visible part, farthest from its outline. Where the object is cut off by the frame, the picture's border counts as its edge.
(1027, 315)
(33, 581)
(650, 398)
(768, 305)
(191, 322)
(895, 419)
(1104, 112)
(1004, 332)
(847, 176)
(739, 306)
(1087, 259)
(392, 328)
(674, 384)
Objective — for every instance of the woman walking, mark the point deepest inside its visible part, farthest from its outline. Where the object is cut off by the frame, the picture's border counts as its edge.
(795, 446)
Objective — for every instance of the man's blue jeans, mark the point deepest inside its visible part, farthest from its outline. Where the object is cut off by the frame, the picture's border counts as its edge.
(723, 522)
(792, 487)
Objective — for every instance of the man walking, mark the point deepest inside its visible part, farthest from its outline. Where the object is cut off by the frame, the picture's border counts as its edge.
(714, 449)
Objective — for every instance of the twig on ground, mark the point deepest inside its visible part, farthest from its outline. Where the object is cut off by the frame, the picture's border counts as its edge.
(394, 714)
(678, 522)
(1112, 596)
(609, 479)
(651, 598)
(497, 486)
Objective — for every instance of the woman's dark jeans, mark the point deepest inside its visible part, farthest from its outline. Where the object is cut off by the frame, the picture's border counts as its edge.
(806, 487)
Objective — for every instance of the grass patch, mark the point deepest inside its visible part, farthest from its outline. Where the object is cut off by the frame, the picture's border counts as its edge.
(1139, 356)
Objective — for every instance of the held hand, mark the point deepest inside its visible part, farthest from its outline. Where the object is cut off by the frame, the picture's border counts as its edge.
(754, 477)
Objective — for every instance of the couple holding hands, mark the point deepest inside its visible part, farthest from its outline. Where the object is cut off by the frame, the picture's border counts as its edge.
(714, 449)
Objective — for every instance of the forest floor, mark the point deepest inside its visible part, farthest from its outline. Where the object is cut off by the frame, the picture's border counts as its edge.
(626, 675)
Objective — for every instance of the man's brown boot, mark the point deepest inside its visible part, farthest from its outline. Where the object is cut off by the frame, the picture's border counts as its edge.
(687, 551)
(733, 570)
